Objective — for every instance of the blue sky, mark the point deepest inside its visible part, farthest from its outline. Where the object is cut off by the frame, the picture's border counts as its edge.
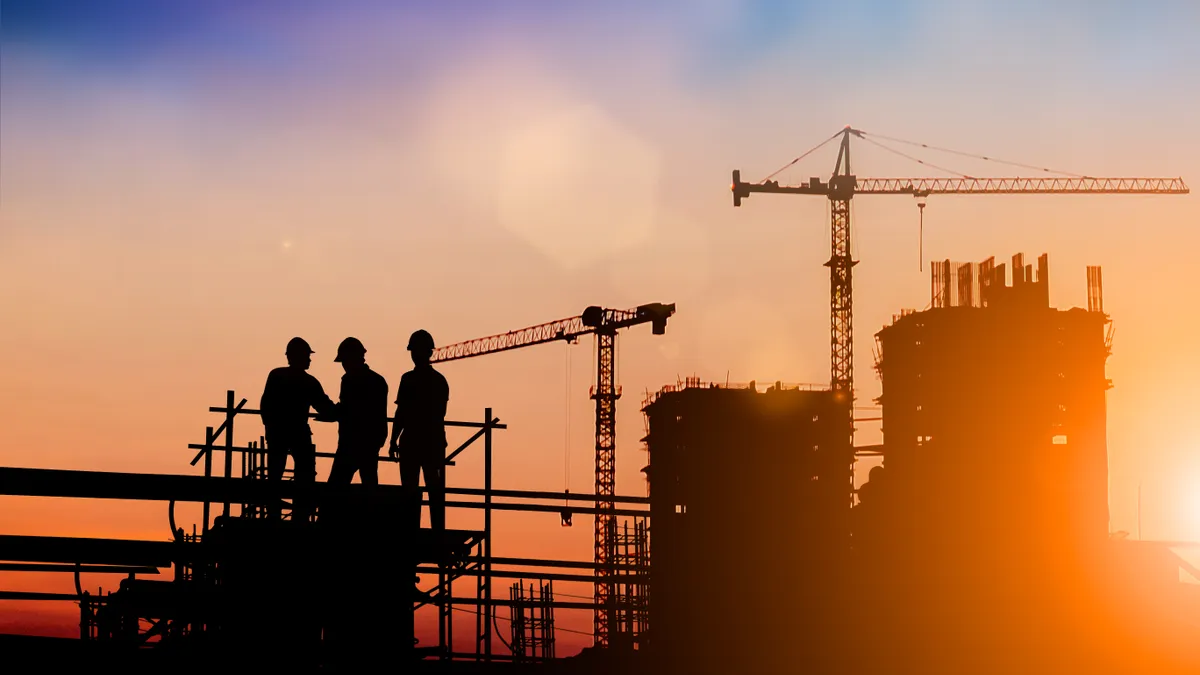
(714, 43)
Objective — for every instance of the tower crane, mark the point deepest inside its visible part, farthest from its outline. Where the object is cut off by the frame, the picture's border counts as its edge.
(843, 185)
(604, 324)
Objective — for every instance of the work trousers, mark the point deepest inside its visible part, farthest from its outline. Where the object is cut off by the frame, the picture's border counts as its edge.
(431, 462)
(299, 445)
(352, 458)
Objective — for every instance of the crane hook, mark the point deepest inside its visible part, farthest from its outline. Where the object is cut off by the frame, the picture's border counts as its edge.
(921, 233)
(566, 513)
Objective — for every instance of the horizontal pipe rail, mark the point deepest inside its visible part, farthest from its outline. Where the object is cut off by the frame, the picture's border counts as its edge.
(480, 492)
(21, 482)
(33, 595)
(533, 574)
(84, 569)
(562, 564)
(134, 553)
(542, 508)
(557, 604)
(449, 423)
(550, 496)
(166, 487)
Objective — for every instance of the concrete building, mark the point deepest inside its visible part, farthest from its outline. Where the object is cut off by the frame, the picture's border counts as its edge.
(991, 506)
(750, 505)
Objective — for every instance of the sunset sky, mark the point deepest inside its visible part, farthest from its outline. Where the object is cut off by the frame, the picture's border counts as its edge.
(186, 185)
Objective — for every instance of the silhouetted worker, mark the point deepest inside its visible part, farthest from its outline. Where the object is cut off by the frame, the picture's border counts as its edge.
(419, 430)
(289, 394)
(362, 417)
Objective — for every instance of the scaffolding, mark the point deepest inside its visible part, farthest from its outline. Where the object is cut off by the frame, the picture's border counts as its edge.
(632, 549)
(236, 543)
(532, 622)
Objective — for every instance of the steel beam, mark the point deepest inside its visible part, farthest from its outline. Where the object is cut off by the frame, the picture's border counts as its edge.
(83, 569)
(166, 487)
(22, 482)
(533, 574)
(135, 553)
(33, 595)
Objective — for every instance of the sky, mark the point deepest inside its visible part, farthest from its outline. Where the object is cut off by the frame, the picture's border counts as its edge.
(184, 186)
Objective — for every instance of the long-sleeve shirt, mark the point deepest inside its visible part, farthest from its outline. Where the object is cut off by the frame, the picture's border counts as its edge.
(362, 409)
(287, 398)
(421, 402)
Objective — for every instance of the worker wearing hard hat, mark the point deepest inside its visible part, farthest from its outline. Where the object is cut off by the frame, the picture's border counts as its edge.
(289, 394)
(419, 430)
(361, 415)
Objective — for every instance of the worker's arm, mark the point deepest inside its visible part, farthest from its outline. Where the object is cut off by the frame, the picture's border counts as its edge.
(398, 420)
(383, 427)
(443, 401)
(325, 407)
(267, 401)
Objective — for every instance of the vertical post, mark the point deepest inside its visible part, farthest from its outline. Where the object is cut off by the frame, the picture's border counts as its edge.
(487, 530)
(480, 617)
(442, 590)
(229, 415)
(208, 441)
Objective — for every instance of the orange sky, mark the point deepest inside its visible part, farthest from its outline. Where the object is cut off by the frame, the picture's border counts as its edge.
(166, 228)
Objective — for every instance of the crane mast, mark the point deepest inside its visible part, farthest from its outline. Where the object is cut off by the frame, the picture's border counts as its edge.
(604, 324)
(843, 185)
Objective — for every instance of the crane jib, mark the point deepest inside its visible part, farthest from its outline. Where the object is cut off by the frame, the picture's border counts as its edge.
(964, 185)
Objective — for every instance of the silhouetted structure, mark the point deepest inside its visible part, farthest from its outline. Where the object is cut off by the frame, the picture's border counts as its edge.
(750, 534)
(609, 628)
(993, 498)
(994, 410)
(532, 624)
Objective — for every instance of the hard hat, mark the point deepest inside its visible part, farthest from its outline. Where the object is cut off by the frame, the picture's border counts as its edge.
(350, 347)
(298, 346)
(420, 340)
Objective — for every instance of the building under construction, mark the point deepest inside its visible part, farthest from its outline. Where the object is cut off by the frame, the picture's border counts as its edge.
(994, 409)
(987, 525)
(750, 511)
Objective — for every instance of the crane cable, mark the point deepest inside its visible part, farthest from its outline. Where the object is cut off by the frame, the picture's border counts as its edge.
(806, 154)
(863, 135)
(914, 159)
(920, 204)
(567, 431)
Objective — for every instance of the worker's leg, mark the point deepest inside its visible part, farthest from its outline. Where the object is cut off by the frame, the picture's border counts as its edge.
(304, 461)
(277, 454)
(344, 464)
(434, 467)
(342, 473)
(410, 478)
(368, 466)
